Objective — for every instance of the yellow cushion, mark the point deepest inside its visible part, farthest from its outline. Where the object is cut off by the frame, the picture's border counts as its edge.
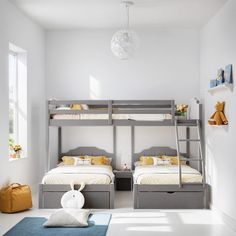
(98, 160)
(146, 160)
(68, 160)
(107, 161)
(76, 107)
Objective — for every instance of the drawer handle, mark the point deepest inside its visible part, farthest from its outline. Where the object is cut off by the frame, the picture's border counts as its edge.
(170, 192)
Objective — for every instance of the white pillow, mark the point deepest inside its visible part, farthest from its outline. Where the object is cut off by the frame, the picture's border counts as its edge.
(84, 106)
(109, 161)
(63, 108)
(82, 161)
(137, 163)
(68, 218)
(157, 161)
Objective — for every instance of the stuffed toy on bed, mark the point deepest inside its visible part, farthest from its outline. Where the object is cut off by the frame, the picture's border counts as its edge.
(218, 118)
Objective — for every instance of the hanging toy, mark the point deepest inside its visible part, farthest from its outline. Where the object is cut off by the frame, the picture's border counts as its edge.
(73, 198)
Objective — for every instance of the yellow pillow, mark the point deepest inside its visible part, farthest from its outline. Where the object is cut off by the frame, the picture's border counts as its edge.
(146, 160)
(107, 161)
(68, 160)
(76, 107)
(173, 160)
(98, 160)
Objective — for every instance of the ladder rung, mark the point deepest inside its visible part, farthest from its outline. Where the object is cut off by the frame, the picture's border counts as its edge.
(189, 140)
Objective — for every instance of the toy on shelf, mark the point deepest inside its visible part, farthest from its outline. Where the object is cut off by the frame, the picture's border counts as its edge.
(218, 118)
(125, 167)
(220, 77)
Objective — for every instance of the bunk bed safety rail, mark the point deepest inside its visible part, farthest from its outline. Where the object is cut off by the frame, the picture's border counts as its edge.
(108, 108)
(95, 107)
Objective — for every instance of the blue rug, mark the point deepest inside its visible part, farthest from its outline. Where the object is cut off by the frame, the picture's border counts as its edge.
(33, 226)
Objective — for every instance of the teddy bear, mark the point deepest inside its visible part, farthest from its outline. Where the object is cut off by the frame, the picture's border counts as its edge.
(218, 118)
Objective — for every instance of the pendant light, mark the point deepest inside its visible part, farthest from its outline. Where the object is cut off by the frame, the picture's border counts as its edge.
(124, 43)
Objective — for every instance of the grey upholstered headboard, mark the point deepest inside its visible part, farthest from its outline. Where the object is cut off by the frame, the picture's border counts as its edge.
(91, 151)
(154, 151)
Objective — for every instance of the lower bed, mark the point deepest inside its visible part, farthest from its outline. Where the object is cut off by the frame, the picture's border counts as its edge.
(158, 188)
(91, 174)
(166, 175)
(98, 180)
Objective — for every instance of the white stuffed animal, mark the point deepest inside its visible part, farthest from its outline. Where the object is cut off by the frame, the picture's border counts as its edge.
(73, 198)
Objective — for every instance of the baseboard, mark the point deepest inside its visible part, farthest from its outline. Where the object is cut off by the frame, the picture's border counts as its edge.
(226, 218)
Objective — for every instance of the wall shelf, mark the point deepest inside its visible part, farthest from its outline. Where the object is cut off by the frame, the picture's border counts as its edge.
(221, 87)
(218, 126)
(17, 159)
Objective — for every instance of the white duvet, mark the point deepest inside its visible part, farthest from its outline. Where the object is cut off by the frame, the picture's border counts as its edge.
(166, 175)
(146, 117)
(91, 174)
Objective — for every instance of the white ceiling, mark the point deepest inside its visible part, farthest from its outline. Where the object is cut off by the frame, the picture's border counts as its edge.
(71, 14)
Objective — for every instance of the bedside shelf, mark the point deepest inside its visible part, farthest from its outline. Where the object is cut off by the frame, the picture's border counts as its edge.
(225, 86)
(123, 180)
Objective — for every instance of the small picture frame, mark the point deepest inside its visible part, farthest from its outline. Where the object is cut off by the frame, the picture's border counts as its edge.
(228, 77)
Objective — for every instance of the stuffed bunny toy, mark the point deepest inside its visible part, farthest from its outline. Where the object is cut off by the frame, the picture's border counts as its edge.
(73, 198)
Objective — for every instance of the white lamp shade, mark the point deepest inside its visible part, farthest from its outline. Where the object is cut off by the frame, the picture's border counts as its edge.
(124, 44)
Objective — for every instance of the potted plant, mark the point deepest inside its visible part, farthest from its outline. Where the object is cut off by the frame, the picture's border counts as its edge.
(181, 111)
(17, 151)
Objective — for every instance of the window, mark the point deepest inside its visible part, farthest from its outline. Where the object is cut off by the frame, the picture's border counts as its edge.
(13, 130)
(17, 102)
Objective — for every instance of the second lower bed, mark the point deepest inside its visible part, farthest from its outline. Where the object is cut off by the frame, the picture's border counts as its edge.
(158, 188)
(98, 191)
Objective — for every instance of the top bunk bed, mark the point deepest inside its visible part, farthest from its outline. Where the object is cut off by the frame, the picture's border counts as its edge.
(113, 113)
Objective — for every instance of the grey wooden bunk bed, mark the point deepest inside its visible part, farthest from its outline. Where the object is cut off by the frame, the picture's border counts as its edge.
(111, 113)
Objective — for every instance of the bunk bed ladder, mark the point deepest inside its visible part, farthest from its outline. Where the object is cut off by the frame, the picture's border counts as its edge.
(188, 139)
(202, 159)
(178, 152)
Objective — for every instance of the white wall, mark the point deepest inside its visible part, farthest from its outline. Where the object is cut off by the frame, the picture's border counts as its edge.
(19, 30)
(80, 65)
(218, 48)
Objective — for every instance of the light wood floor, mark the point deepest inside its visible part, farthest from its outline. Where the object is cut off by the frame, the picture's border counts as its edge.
(127, 221)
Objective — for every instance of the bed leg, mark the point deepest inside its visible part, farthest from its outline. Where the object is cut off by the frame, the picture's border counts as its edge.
(40, 200)
(206, 196)
(112, 195)
(135, 195)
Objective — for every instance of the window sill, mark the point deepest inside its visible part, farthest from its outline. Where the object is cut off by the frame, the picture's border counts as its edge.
(17, 159)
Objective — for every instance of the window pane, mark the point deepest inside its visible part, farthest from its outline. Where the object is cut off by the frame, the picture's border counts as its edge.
(11, 119)
(12, 98)
(12, 77)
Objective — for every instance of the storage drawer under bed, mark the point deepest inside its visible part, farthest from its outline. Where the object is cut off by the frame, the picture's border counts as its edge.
(96, 196)
(92, 200)
(170, 200)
